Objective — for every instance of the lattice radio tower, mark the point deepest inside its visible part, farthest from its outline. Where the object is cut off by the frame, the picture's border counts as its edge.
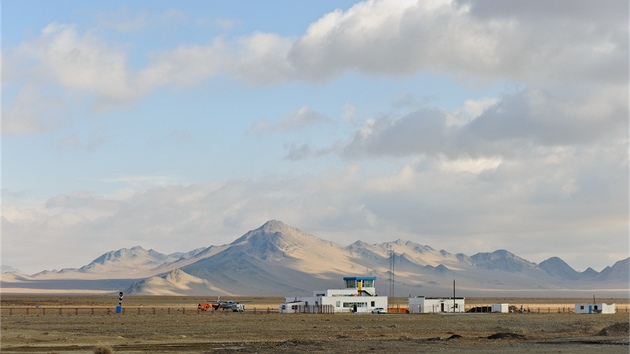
(392, 277)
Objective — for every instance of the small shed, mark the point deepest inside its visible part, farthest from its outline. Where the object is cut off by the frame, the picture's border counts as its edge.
(595, 308)
(501, 308)
(291, 307)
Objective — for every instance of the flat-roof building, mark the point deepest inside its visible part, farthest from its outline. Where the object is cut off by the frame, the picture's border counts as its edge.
(422, 304)
(595, 308)
(359, 295)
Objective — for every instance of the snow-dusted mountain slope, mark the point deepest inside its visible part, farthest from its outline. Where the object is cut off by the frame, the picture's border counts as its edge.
(277, 259)
(177, 282)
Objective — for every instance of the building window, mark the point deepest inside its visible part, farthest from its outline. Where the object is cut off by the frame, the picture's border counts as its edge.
(351, 304)
(373, 303)
(368, 283)
(337, 304)
(582, 307)
(351, 284)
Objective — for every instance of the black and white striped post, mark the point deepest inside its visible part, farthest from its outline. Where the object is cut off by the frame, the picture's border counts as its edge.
(119, 307)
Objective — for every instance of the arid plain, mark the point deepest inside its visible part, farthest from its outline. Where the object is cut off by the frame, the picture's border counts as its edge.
(89, 324)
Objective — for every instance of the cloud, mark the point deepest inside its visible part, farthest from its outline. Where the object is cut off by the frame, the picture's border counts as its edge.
(466, 40)
(75, 141)
(381, 37)
(124, 19)
(421, 131)
(81, 61)
(467, 205)
(492, 127)
(551, 120)
(261, 59)
(297, 120)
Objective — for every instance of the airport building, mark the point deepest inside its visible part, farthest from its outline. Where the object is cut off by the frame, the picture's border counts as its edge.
(422, 304)
(359, 296)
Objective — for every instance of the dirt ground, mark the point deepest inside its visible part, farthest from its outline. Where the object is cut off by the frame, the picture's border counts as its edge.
(89, 324)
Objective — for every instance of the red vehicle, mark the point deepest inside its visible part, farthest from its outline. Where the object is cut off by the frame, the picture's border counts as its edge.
(204, 306)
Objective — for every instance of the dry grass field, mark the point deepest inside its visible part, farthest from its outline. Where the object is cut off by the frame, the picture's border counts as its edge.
(89, 324)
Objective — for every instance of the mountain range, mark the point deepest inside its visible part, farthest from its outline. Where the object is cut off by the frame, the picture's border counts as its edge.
(280, 260)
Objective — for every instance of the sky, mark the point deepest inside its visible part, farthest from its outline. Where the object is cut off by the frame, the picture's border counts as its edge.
(464, 125)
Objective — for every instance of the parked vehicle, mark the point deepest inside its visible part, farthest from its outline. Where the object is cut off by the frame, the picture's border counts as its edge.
(379, 310)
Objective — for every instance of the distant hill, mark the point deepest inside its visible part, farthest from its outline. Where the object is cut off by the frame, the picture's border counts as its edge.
(280, 260)
(7, 269)
(176, 282)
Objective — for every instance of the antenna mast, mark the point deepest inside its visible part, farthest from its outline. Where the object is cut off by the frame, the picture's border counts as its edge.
(392, 257)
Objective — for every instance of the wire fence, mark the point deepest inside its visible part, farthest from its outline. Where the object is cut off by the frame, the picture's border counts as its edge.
(326, 309)
(124, 310)
(535, 308)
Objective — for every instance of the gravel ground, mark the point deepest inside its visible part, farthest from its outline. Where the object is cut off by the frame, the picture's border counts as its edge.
(261, 332)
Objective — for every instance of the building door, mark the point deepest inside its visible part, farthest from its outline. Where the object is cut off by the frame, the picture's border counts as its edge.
(442, 307)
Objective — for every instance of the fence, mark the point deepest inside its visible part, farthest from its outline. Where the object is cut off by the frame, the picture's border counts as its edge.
(534, 308)
(104, 311)
(289, 308)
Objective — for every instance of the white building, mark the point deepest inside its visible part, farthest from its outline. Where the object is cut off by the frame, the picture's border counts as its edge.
(501, 308)
(421, 304)
(359, 295)
(595, 308)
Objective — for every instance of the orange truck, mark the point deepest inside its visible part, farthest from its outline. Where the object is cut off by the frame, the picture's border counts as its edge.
(204, 306)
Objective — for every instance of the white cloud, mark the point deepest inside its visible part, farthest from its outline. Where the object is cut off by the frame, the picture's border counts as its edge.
(435, 201)
(475, 166)
(297, 120)
(185, 66)
(497, 127)
(467, 40)
(124, 19)
(349, 113)
(81, 61)
(261, 58)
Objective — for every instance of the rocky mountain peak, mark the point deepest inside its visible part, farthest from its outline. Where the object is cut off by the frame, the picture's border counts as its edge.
(501, 260)
(557, 267)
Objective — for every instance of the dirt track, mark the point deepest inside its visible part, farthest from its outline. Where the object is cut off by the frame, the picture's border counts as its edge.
(192, 332)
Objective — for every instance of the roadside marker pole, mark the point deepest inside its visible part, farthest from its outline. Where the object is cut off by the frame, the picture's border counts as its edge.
(120, 298)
